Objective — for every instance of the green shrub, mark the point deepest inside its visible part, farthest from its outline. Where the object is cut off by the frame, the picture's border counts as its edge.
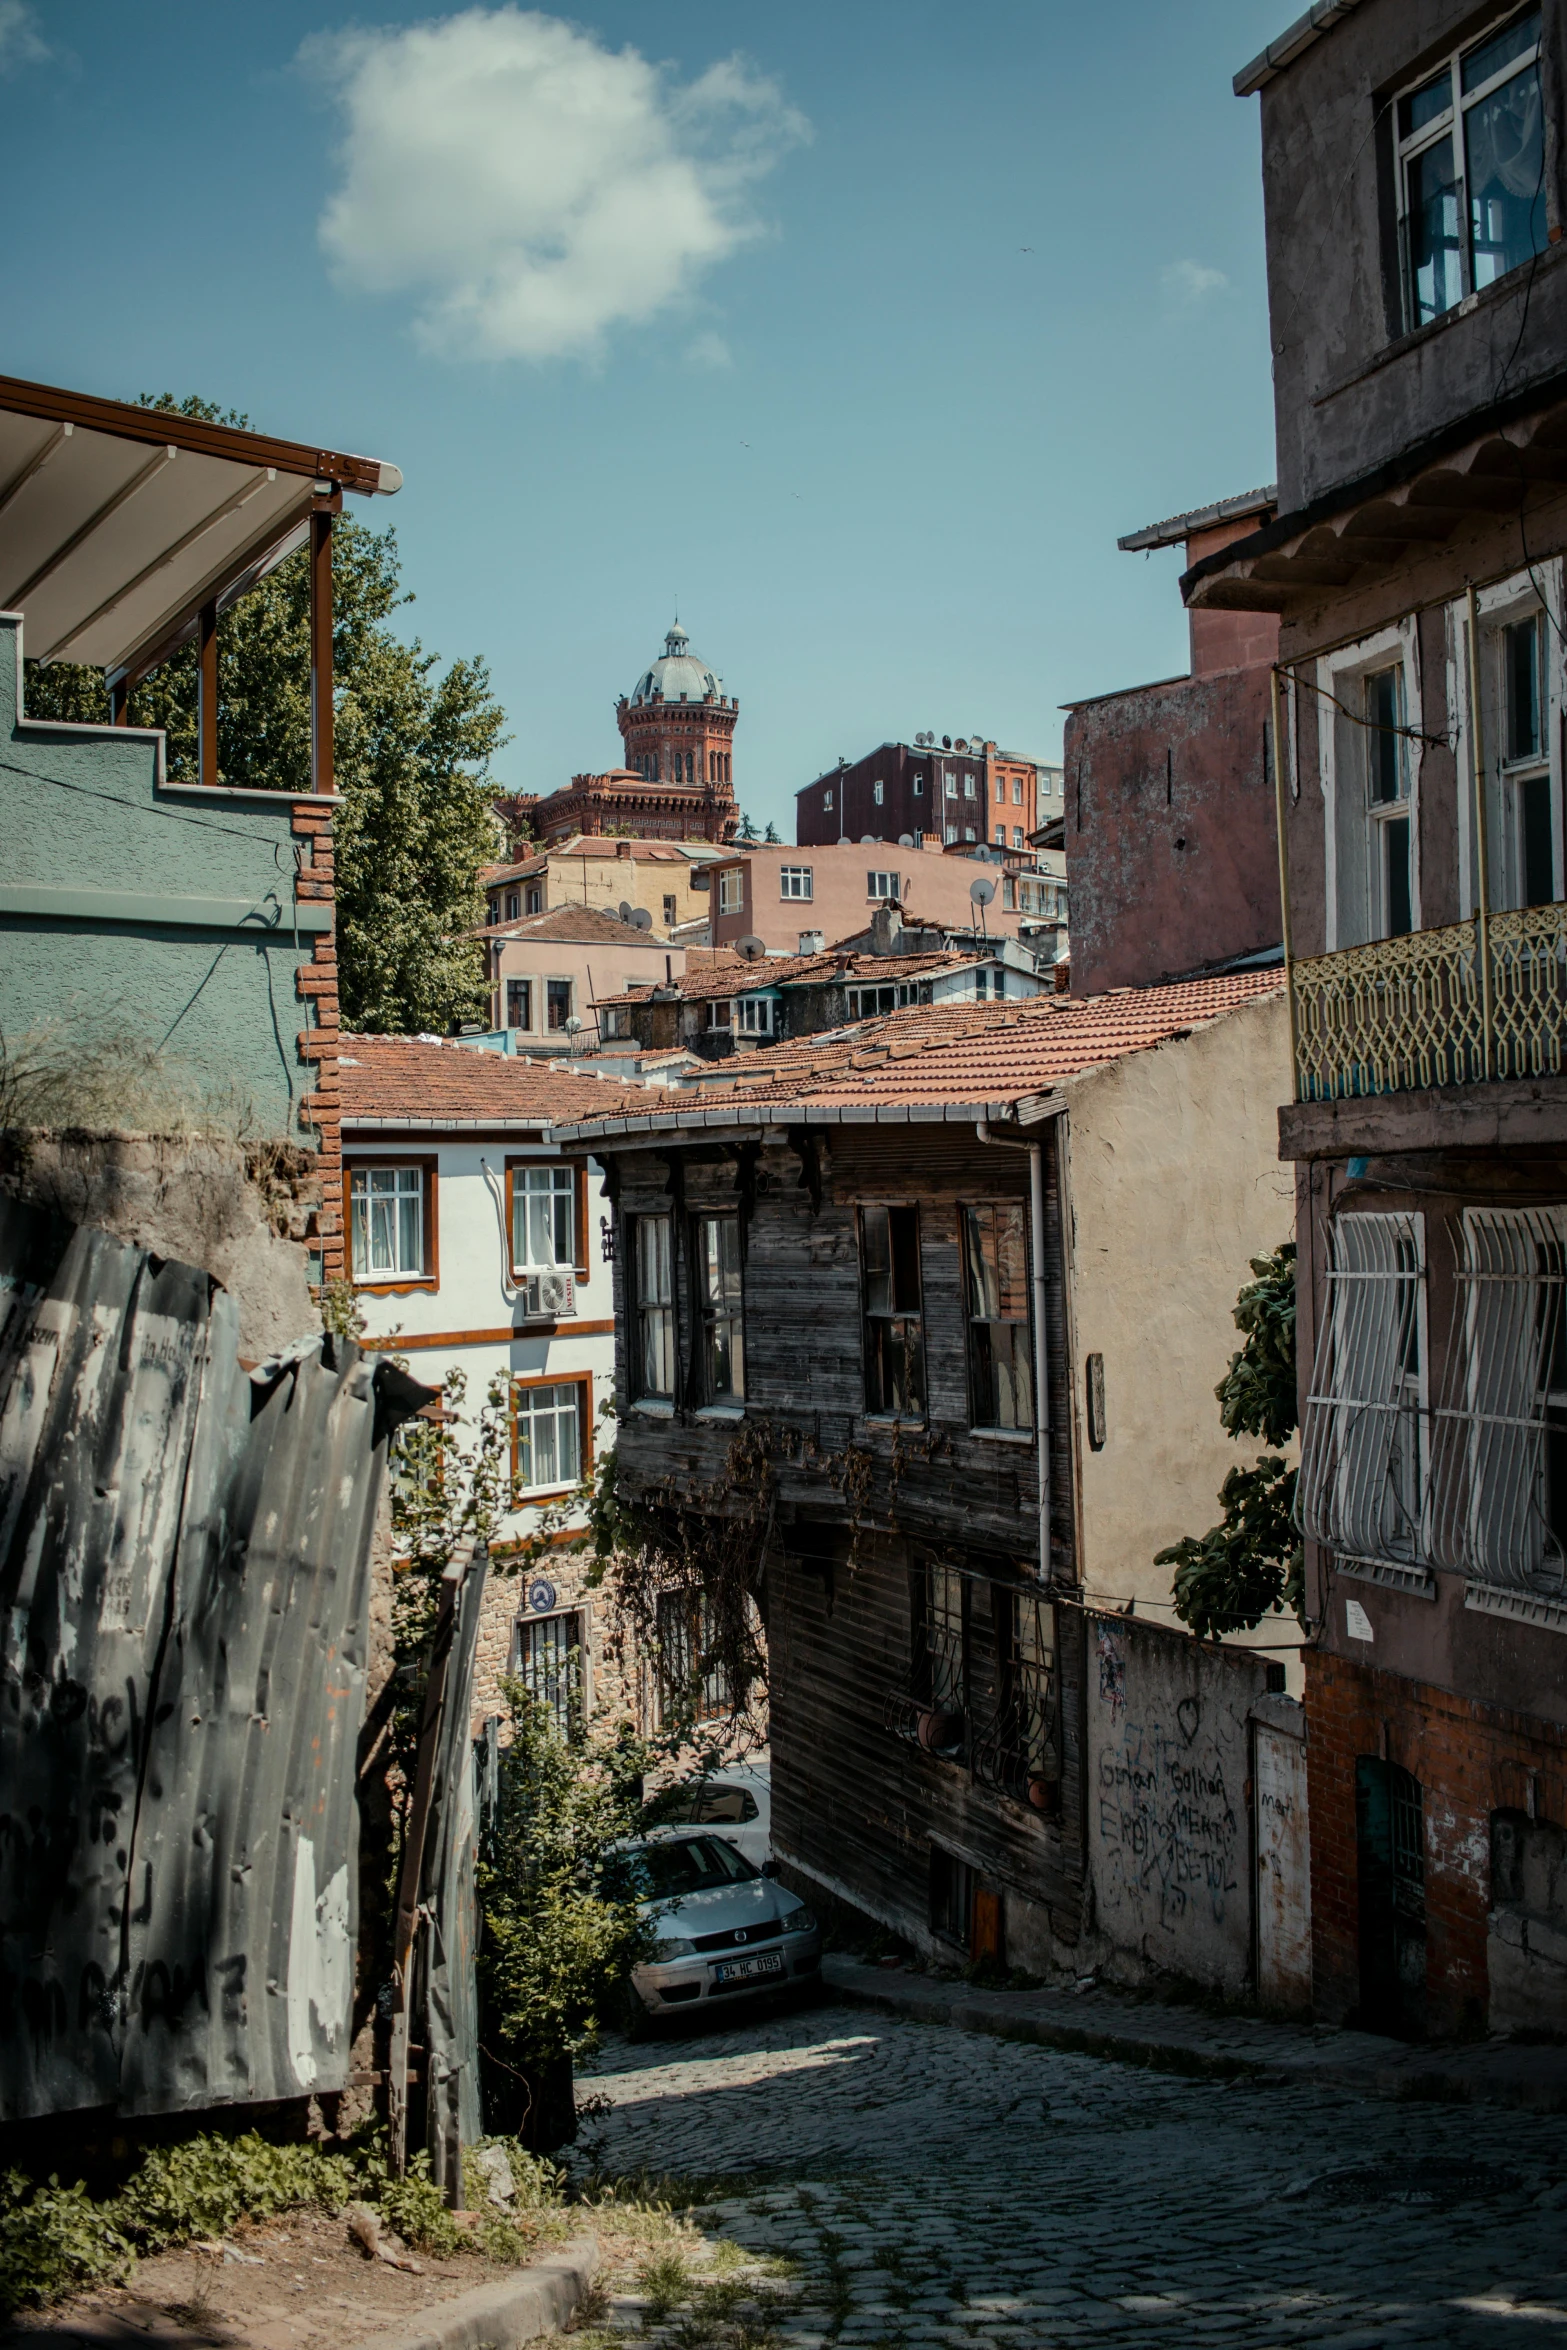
(53, 2240)
(201, 2188)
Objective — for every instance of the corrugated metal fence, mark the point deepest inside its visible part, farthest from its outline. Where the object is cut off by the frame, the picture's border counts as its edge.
(184, 1601)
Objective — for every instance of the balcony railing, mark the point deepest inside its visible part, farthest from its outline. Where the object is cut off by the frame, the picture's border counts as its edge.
(1456, 1006)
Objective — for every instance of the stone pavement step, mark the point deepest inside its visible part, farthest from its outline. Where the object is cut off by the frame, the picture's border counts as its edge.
(538, 2300)
(1104, 2022)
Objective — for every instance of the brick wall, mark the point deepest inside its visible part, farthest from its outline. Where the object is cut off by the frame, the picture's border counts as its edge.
(317, 985)
(1471, 1760)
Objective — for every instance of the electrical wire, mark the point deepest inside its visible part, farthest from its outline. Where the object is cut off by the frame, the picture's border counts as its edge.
(1413, 734)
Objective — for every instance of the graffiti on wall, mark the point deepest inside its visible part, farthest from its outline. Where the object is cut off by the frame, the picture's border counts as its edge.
(1169, 1773)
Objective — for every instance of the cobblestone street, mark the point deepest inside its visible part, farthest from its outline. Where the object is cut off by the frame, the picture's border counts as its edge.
(938, 2186)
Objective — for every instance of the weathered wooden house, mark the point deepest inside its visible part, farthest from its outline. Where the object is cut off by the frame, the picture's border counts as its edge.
(726, 1004)
(929, 1316)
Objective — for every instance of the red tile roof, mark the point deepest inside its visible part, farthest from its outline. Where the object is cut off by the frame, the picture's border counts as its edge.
(435, 1081)
(938, 1059)
(724, 973)
(582, 926)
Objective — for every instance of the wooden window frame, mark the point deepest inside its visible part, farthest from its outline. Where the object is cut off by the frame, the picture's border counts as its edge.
(534, 1496)
(403, 1284)
(579, 1168)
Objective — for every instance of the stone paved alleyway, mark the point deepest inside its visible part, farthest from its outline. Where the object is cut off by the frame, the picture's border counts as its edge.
(940, 2187)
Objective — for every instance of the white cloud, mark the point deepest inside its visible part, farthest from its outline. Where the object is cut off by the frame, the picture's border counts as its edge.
(709, 350)
(20, 41)
(1191, 281)
(531, 188)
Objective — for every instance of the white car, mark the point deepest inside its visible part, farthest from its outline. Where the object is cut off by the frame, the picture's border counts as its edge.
(725, 1931)
(736, 1803)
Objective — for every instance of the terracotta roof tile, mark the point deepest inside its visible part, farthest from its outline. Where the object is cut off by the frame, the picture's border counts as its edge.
(722, 973)
(586, 926)
(938, 1055)
(436, 1079)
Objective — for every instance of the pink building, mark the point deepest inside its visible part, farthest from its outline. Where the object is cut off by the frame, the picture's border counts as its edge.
(788, 896)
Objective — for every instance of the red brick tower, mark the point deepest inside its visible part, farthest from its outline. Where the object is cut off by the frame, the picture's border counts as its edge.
(678, 728)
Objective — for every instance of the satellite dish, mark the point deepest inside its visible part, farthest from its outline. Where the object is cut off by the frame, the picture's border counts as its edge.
(946, 742)
(751, 947)
(641, 919)
(982, 891)
(573, 1025)
(624, 909)
(868, 840)
(961, 744)
(905, 840)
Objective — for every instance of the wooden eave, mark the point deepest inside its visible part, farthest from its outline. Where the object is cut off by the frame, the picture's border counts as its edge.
(1375, 527)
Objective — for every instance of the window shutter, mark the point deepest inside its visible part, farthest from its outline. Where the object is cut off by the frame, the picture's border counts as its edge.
(580, 1170)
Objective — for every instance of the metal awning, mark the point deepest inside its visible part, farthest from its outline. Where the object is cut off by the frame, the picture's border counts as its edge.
(119, 524)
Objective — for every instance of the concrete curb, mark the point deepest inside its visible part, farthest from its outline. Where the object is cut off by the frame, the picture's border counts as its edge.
(537, 2300)
(1106, 2023)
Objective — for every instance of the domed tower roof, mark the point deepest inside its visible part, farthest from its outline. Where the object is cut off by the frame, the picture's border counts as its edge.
(679, 671)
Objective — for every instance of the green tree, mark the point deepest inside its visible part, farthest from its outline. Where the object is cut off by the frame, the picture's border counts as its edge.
(770, 836)
(747, 830)
(1251, 1563)
(412, 753)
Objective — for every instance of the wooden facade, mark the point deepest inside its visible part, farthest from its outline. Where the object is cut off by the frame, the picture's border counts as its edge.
(960, 1845)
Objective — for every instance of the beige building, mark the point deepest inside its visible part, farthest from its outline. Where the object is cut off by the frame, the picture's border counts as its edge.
(548, 971)
(667, 880)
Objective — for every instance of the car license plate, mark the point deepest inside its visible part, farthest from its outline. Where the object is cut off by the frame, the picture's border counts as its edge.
(740, 1970)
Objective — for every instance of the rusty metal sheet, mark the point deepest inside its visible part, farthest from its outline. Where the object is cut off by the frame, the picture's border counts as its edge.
(184, 1566)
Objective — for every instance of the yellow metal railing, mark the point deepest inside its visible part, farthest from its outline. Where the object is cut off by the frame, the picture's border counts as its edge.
(1408, 1013)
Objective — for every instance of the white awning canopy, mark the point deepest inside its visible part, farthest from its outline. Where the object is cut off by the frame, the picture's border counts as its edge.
(119, 524)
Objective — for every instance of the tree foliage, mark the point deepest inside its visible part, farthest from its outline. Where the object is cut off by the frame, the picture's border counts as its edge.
(1251, 1563)
(412, 758)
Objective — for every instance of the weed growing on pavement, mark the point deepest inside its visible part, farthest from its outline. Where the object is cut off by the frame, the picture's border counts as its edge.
(664, 2283)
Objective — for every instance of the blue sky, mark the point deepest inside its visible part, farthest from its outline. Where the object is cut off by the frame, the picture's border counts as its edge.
(750, 323)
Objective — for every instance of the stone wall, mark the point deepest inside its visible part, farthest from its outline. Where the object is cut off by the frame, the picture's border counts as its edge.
(243, 1213)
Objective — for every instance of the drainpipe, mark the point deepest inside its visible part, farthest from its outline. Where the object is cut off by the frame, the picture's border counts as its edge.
(1036, 1210)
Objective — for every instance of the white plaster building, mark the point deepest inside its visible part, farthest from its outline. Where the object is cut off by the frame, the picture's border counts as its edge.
(474, 1241)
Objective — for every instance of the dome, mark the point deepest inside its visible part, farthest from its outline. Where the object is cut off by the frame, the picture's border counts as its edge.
(679, 671)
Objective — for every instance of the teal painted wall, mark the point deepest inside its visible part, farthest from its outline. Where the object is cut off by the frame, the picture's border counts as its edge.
(175, 920)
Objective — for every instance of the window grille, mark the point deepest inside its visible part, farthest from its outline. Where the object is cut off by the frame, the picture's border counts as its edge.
(944, 1660)
(387, 1215)
(543, 1217)
(1500, 1430)
(1018, 1754)
(691, 1672)
(547, 1660)
(1363, 1453)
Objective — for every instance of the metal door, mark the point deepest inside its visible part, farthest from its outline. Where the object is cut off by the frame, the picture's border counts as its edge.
(1390, 1848)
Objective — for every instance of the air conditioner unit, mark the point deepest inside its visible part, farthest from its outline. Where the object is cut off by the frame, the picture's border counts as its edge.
(549, 1297)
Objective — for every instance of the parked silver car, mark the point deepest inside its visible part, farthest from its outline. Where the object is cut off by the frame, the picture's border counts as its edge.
(735, 1801)
(725, 1931)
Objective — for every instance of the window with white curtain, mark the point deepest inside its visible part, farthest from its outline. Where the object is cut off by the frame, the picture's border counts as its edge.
(386, 1212)
(547, 1428)
(1363, 1445)
(543, 1217)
